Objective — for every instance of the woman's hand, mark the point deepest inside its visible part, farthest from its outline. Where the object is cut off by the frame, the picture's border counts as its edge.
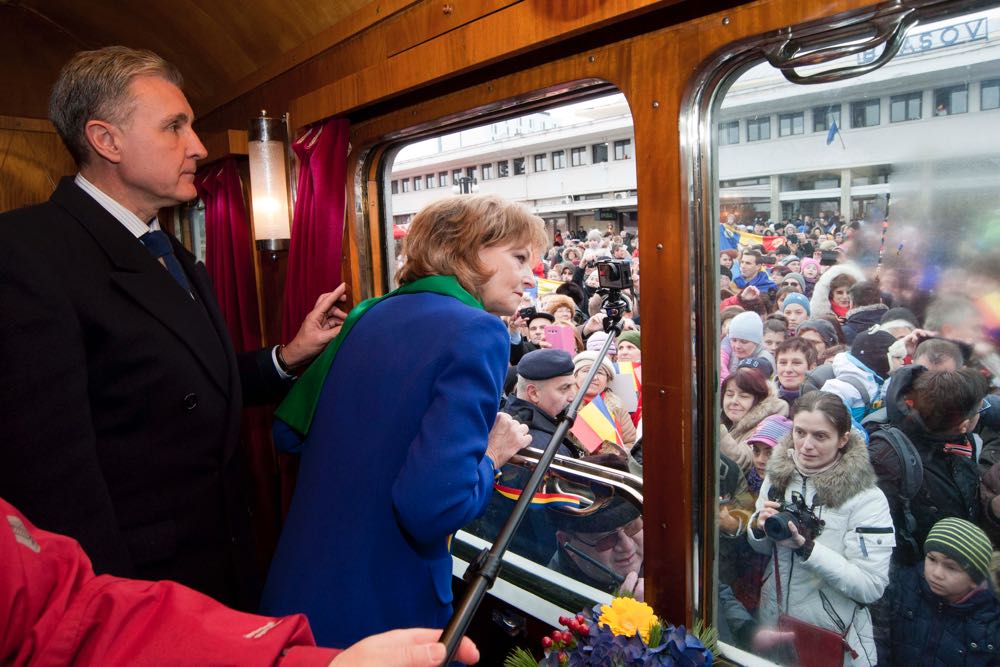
(415, 647)
(507, 437)
(793, 542)
(728, 524)
(515, 323)
(770, 509)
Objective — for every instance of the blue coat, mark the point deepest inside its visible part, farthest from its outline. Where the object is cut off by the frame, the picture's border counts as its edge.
(928, 631)
(393, 465)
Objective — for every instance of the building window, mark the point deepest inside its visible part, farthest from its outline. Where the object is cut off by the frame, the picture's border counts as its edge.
(455, 175)
(989, 94)
(759, 129)
(395, 187)
(470, 172)
(540, 162)
(406, 184)
(431, 181)
(598, 153)
(623, 149)
(558, 159)
(791, 123)
(951, 100)
(905, 107)
(519, 166)
(418, 183)
(443, 179)
(503, 169)
(729, 133)
(487, 171)
(865, 113)
(576, 156)
(824, 117)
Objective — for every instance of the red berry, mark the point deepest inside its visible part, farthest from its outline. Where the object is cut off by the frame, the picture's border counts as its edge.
(556, 635)
(584, 630)
(563, 620)
(580, 618)
(546, 642)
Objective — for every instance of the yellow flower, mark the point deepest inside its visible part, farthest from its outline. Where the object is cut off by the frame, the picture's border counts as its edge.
(626, 616)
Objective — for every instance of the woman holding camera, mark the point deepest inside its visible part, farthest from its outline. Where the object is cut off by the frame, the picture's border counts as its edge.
(822, 516)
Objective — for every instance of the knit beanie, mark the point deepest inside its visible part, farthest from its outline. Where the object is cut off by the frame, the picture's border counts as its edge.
(822, 327)
(872, 349)
(965, 543)
(747, 326)
(895, 314)
(798, 277)
(794, 297)
(771, 430)
(597, 340)
(809, 261)
(588, 358)
(630, 337)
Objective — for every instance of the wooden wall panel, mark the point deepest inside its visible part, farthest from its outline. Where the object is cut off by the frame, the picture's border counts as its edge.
(32, 160)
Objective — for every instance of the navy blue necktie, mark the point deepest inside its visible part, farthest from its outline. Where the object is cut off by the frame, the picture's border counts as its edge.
(158, 245)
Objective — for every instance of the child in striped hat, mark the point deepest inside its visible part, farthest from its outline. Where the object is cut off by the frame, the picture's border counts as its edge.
(945, 607)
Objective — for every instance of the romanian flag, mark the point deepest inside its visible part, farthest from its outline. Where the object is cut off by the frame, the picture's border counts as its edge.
(633, 371)
(595, 424)
(748, 239)
(546, 286)
(540, 500)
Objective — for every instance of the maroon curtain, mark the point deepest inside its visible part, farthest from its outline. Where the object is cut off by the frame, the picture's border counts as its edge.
(318, 224)
(227, 252)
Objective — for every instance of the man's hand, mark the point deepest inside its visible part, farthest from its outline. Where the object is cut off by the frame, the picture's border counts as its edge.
(749, 293)
(320, 326)
(415, 647)
(507, 437)
(914, 338)
(634, 584)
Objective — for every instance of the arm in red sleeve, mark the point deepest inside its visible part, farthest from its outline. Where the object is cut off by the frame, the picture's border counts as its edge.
(59, 613)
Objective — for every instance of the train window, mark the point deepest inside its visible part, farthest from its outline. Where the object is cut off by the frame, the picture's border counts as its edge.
(859, 266)
(583, 535)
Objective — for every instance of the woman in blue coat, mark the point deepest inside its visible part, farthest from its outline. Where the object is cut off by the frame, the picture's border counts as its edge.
(398, 428)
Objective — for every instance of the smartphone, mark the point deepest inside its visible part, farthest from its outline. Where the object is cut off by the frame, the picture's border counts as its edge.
(560, 338)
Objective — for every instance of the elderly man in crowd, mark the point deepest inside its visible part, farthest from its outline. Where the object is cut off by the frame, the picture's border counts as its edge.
(545, 386)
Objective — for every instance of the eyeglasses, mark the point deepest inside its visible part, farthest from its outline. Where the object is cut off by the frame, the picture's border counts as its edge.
(985, 406)
(790, 283)
(608, 541)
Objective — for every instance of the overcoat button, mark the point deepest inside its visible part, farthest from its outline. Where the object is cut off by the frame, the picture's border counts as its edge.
(973, 645)
(191, 401)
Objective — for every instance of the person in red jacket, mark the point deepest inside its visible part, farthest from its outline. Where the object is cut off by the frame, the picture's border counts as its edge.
(55, 611)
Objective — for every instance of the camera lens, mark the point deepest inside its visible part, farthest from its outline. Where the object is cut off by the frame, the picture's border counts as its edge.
(776, 527)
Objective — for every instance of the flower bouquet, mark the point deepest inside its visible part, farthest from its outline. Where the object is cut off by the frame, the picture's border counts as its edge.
(625, 633)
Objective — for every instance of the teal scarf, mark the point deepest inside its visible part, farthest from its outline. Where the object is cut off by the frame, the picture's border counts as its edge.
(299, 407)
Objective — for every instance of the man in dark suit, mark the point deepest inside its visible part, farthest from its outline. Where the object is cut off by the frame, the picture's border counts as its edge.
(120, 390)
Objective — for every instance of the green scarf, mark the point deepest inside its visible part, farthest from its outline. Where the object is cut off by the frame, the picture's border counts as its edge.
(299, 406)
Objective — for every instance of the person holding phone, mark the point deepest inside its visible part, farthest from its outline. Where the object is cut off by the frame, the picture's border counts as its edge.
(398, 455)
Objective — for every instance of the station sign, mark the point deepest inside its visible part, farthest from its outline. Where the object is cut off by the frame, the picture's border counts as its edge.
(963, 32)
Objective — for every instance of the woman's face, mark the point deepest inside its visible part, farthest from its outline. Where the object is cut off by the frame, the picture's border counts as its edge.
(567, 275)
(814, 338)
(841, 297)
(629, 352)
(772, 339)
(553, 274)
(792, 369)
(511, 267)
(599, 383)
(761, 455)
(796, 315)
(815, 439)
(593, 280)
(743, 348)
(726, 261)
(563, 315)
(736, 403)
(810, 272)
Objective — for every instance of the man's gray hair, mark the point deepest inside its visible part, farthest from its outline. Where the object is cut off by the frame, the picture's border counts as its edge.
(521, 388)
(95, 85)
(949, 309)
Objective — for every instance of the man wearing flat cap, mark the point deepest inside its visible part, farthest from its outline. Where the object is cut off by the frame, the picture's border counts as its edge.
(545, 386)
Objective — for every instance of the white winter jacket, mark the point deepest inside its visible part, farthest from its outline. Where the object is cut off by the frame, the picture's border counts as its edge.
(849, 564)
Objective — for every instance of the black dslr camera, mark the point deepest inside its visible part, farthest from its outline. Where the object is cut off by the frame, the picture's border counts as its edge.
(614, 274)
(795, 511)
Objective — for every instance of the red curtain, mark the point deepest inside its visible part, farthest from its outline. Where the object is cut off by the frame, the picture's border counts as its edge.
(318, 224)
(227, 252)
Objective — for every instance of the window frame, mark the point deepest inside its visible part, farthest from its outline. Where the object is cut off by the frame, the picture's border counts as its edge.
(869, 103)
(791, 116)
(724, 129)
(906, 99)
(626, 149)
(597, 148)
(757, 123)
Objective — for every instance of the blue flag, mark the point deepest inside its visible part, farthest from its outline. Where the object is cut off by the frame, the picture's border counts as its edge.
(832, 133)
(728, 238)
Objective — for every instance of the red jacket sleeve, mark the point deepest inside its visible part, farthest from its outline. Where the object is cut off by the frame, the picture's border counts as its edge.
(59, 613)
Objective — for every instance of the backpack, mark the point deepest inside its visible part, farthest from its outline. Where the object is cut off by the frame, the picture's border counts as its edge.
(819, 376)
(911, 474)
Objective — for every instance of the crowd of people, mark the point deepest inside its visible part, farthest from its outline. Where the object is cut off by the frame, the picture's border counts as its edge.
(859, 441)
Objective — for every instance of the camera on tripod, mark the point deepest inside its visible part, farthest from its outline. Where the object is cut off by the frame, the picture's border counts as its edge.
(794, 511)
(614, 274)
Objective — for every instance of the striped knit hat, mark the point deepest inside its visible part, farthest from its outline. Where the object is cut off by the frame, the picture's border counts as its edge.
(965, 543)
(771, 430)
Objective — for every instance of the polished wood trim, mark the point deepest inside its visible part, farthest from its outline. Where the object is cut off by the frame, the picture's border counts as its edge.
(425, 21)
(223, 144)
(26, 124)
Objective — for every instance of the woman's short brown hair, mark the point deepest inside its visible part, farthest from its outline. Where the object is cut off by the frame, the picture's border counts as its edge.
(446, 236)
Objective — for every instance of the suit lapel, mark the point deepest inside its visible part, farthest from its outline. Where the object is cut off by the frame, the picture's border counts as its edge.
(147, 282)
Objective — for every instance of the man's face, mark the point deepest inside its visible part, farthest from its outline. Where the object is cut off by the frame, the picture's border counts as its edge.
(536, 329)
(772, 339)
(617, 550)
(552, 395)
(158, 148)
(748, 266)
